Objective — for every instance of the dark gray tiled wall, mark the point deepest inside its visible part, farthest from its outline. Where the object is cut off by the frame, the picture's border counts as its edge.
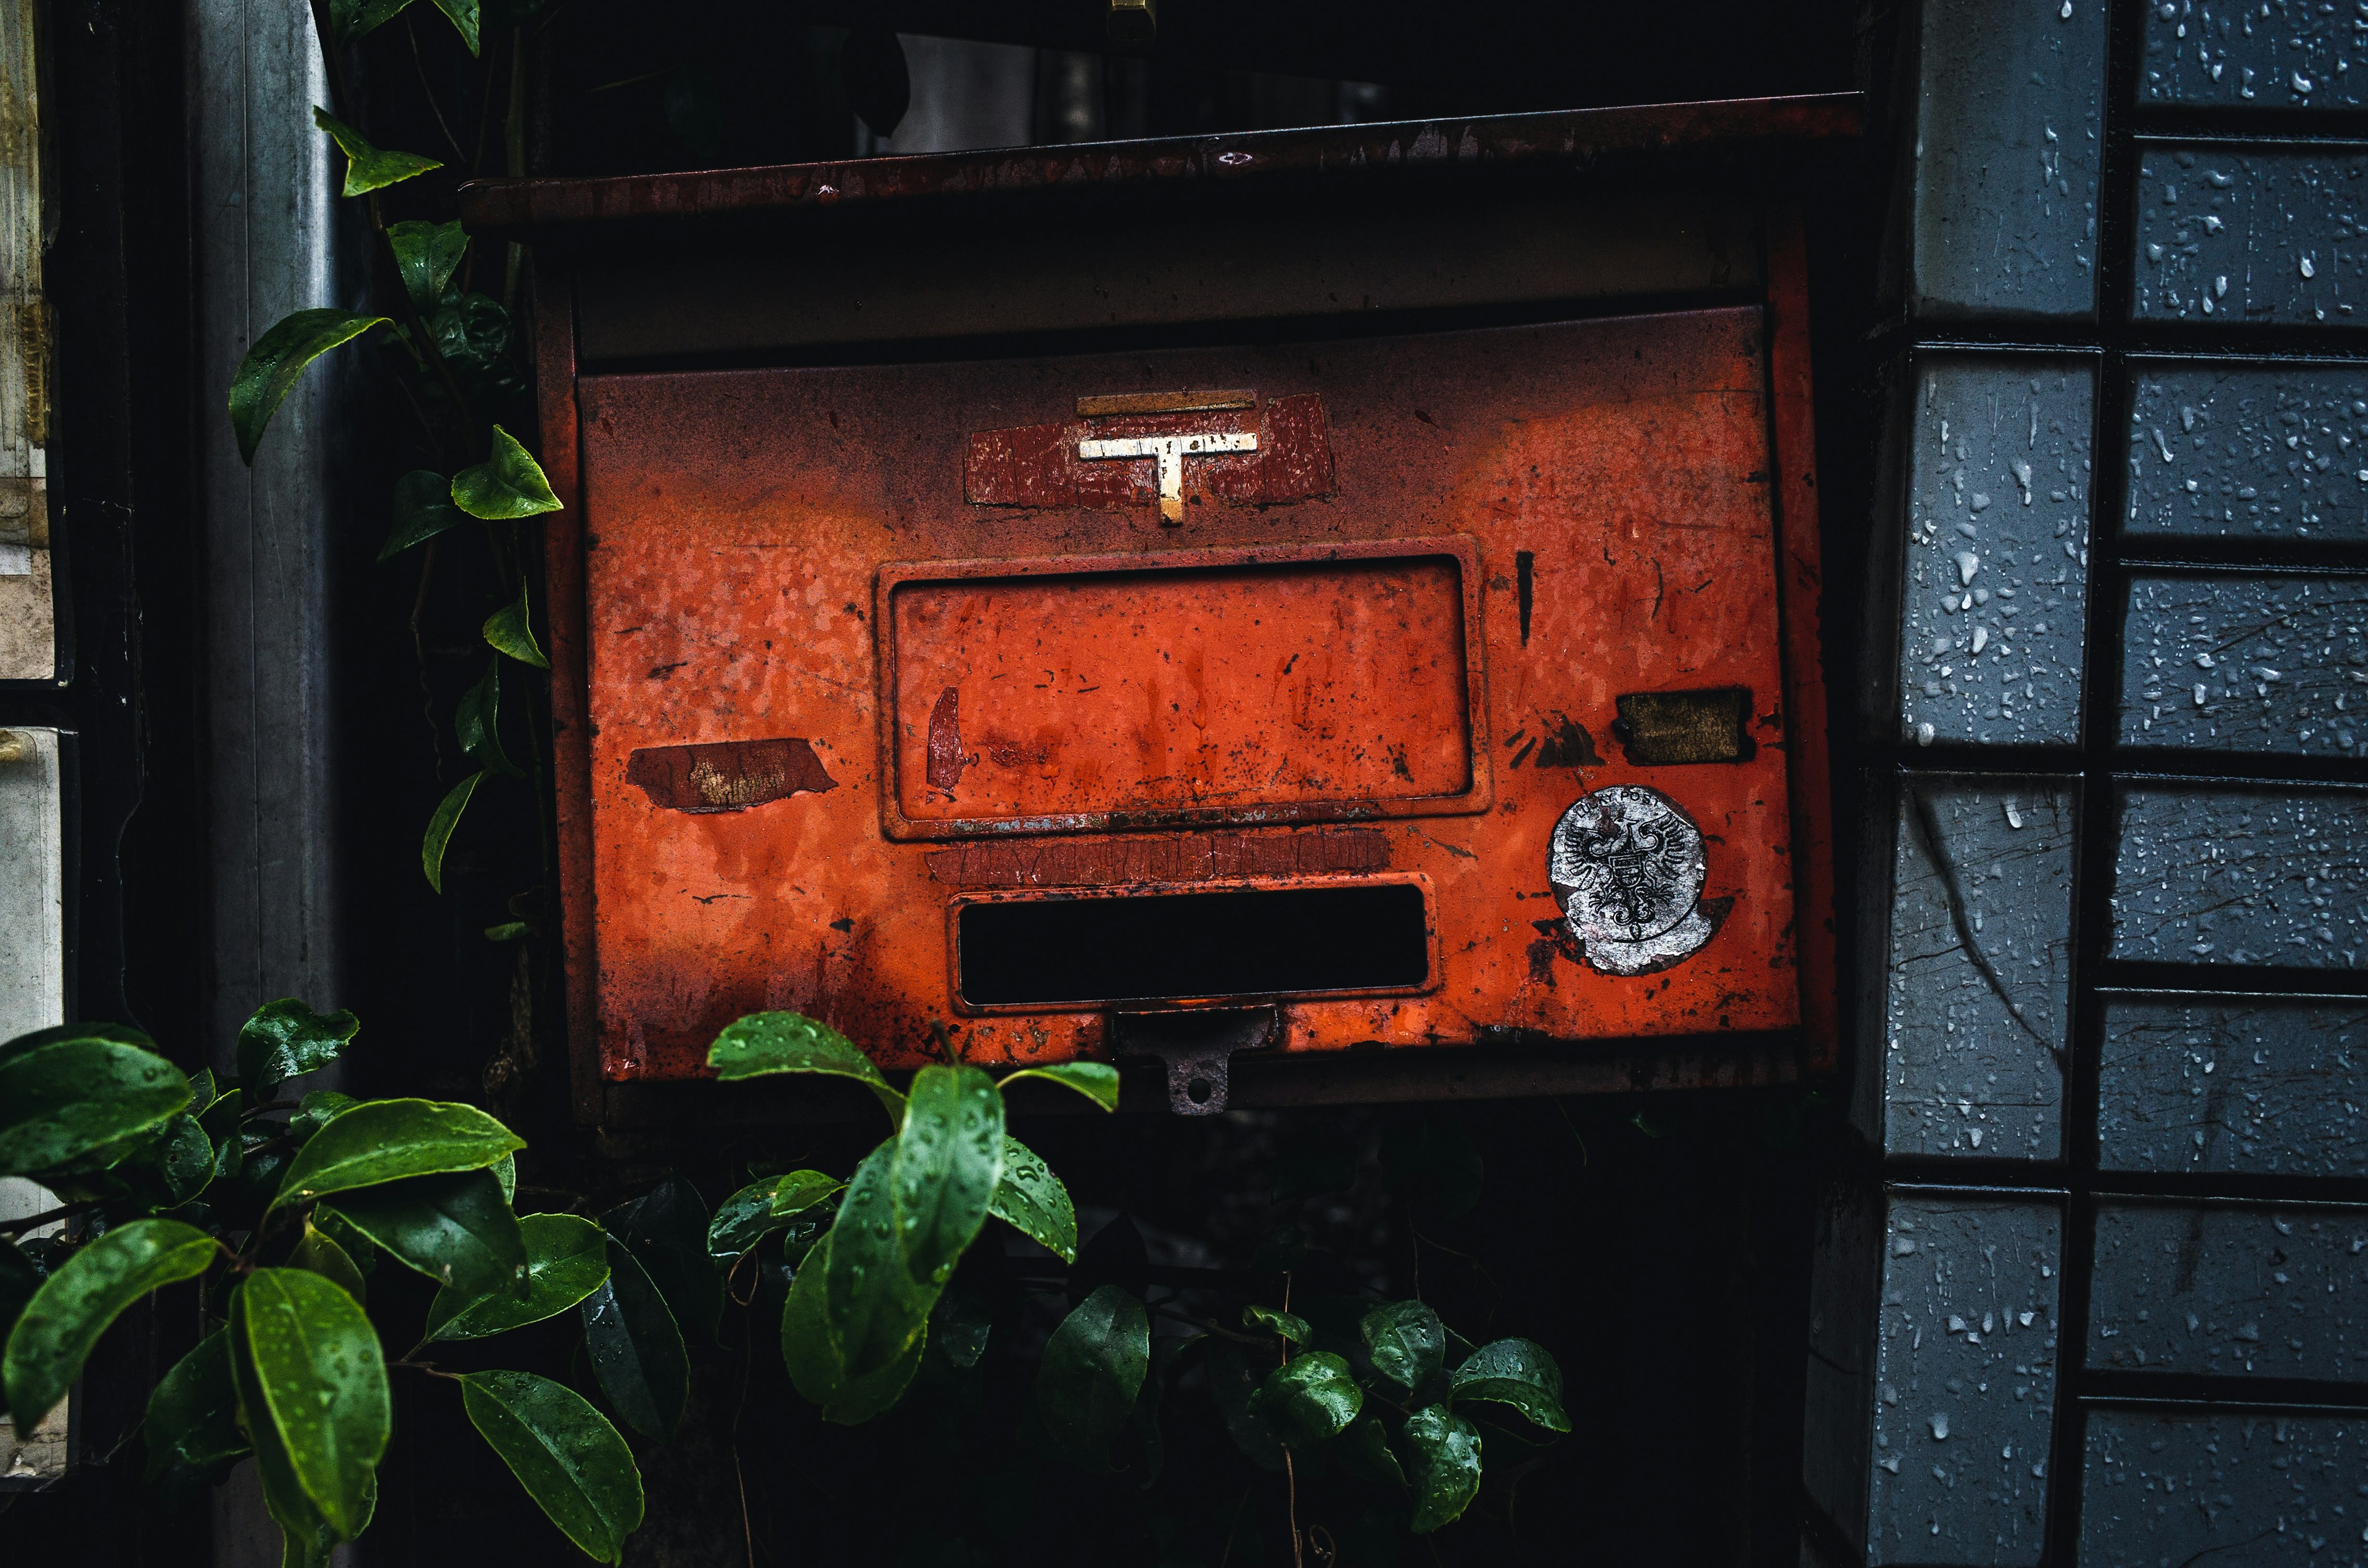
(2265, 54)
(2248, 451)
(2271, 876)
(1979, 972)
(2010, 112)
(1996, 575)
(2196, 1491)
(2244, 234)
(2246, 661)
(2231, 1290)
(2258, 1085)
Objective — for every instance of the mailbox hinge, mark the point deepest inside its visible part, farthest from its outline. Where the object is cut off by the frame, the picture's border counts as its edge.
(1196, 1047)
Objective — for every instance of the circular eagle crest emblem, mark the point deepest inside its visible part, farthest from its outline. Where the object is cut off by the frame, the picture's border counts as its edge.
(1628, 866)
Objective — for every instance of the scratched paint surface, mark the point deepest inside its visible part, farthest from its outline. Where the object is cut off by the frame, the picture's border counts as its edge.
(1611, 476)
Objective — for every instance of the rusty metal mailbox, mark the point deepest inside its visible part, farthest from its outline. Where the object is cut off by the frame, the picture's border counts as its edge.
(1283, 593)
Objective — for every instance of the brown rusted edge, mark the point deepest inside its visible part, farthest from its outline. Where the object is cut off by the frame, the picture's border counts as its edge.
(1478, 797)
(546, 208)
(727, 776)
(1170, 857)
(571, 734)
(1800, 586)
(1518, 1070)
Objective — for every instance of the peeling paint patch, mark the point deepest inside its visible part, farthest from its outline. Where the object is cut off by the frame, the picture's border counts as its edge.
(728, 776)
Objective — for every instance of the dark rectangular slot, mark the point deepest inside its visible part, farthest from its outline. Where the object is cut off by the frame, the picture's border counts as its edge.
(1239, 942)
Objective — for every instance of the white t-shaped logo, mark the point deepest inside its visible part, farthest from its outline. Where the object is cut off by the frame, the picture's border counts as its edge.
(1171, 451)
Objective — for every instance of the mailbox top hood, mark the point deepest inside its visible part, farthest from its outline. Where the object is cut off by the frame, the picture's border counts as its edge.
(554, 210)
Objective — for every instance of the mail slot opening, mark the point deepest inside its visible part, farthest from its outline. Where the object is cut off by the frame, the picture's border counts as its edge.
(1239, 942)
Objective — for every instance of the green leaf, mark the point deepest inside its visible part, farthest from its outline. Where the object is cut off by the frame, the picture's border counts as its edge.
(455, 1227)
(959, 1324)
(801, 1190)
(439, 835)
(66, 1101)
(791, 1042)
(351, 20)
(636, 1350)
(510, 630)
(1234, 1370)
(566, 1260)
(184, 1157)
(286, 1038)
(477, 721)
(1292, 1329)
(509, 483)
(426, 256)
(1097, 1081)
(508, 931)
(1517, 1372)
(276, 360)
(1092, 1372)
(369, 169)
(1446, 1450)
(321, 1380)
(121, 1034)
(571, 1462)
(316, 1109)
(872, 1306)
(307, 1537)
(817, 1369)
(318, 1253)
(192, 1420)
(1309, 1399)
(666, 1229)
(1407, 1342)
(73, 1306)
(741, 1222)
(382, 1140)
(506, 1173)
(202, 1090)
(1366, 1447)
(357, 1247)
(463, 15)
(423, 508)
(1033, 1201)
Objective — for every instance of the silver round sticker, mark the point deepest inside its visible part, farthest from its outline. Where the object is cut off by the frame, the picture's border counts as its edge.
(1628, 865)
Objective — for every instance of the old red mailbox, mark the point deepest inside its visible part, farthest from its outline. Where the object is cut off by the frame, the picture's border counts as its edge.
(1294, 591)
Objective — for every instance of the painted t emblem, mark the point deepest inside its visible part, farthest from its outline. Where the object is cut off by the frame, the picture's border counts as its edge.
(1171, 451)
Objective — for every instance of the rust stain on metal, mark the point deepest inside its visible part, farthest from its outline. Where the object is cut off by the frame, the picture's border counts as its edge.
(1658, 729)
(1163, 402)
(1178, 858)
(1568, 744)
(945, 768)
(728, 776)
(1042, 465)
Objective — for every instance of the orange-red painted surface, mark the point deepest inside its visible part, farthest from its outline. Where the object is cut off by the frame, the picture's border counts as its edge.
(1523, 525)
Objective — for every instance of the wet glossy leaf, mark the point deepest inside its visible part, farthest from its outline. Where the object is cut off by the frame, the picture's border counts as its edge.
(1310, 1399)
(1033, 1201)
(1516, 1373)
(351, 20)
(381, 1140)
(1097, 1081)
(464, 17)
(315, 1110)
(477, 722)
(566, 1260)
(455, 1229)
(872, 1306)
(477, 339)
(742, 1220)
(510, 630)
(1092, 1371)
(287, 1038)
(203, 1091)
(791, 1042)
(1235, 1370)
(801, 1190)
(816, 1367)
(352, 1242)
(426, 255)
(423, 508)
(1292, 1328)
(66, 1101)
(121, 1034)
(192, 1420)
(1407, 1341)
(184, 1158)
(308, 1537)
(571, 1462)
(369, 168)
(319, 1252)
(74, 1305)
(666, 1229)
(1366, 1449)
(439, 836)
(509, 483)
(959, 1324)
(276, 360)
(636, 1349)
(320, 1381)
(1445, 1449)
